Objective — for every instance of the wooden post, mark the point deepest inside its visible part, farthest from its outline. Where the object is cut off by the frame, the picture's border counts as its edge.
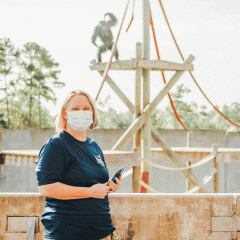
(146, 128)
(137, 108)
(136, 176)
(189, 144)
(137, 171)
(146, 30)
(216, 166)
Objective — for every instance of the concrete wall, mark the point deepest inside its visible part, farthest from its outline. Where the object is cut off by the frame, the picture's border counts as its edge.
(233, 139)
(18, 179)
(143, 216)
(34, 138)
(23, 179)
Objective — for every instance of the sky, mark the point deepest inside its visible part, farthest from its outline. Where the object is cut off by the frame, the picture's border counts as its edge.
(208, 30)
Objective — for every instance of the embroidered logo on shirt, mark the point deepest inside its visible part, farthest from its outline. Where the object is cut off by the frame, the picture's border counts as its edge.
(99, 160)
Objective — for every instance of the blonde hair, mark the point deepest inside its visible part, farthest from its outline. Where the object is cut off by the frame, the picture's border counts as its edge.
(61, 123)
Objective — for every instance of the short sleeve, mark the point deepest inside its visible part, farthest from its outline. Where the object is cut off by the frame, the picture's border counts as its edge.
(51, 163)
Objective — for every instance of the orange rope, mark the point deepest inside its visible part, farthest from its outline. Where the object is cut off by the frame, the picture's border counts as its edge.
(130, 23)
(105, 75)
(132, 16)
(191, 72)
(163, 75)
(237, 125)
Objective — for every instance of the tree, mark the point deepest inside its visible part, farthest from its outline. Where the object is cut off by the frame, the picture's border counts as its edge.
(193, 116)
(27, 79)
(7, 62)
(20, 113)
(186, 111)
(41, 76)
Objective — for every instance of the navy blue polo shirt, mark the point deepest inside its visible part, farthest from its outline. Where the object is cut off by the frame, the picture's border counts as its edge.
(69, 161)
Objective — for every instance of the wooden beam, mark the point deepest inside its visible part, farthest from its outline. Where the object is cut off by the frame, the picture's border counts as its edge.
(163, 65)
(227, 155)
(32, 153)
(216, 166)
(28, 157)
(137, 170)
(119, 65)
(189, 144)
(146, 29)
(155, 65)
(138, 96)
(137, 174)
(146, 127)
(119, 92)
(120, 158)
(137, 124)
(175, 159)
(186, 154)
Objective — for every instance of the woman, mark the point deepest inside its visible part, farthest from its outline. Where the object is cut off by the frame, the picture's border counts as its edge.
(73, 176)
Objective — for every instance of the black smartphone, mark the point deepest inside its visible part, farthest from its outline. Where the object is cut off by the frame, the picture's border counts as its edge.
(117, 174)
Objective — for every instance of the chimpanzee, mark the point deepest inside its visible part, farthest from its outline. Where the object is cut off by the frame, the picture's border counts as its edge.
(103, 31)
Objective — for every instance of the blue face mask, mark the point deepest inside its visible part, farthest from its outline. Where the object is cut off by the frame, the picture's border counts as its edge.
(80, 120)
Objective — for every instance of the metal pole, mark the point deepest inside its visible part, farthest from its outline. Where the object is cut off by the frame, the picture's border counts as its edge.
(146, 129)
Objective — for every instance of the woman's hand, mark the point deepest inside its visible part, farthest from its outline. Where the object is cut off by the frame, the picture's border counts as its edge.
(114, 186)
(99, 190)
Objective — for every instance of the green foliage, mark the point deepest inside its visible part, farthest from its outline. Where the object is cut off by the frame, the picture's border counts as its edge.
(27, 78)
(7, 64)
(20, 115)
(192, 115)
(110, 119)
(29, 75)
(42, 72)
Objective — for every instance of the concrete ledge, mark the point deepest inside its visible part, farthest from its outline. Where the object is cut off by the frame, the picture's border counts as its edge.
(139, 195)
(182, 195)
(20, 194)
(141, 216)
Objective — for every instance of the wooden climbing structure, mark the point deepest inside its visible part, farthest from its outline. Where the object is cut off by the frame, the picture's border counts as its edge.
(141, 129)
